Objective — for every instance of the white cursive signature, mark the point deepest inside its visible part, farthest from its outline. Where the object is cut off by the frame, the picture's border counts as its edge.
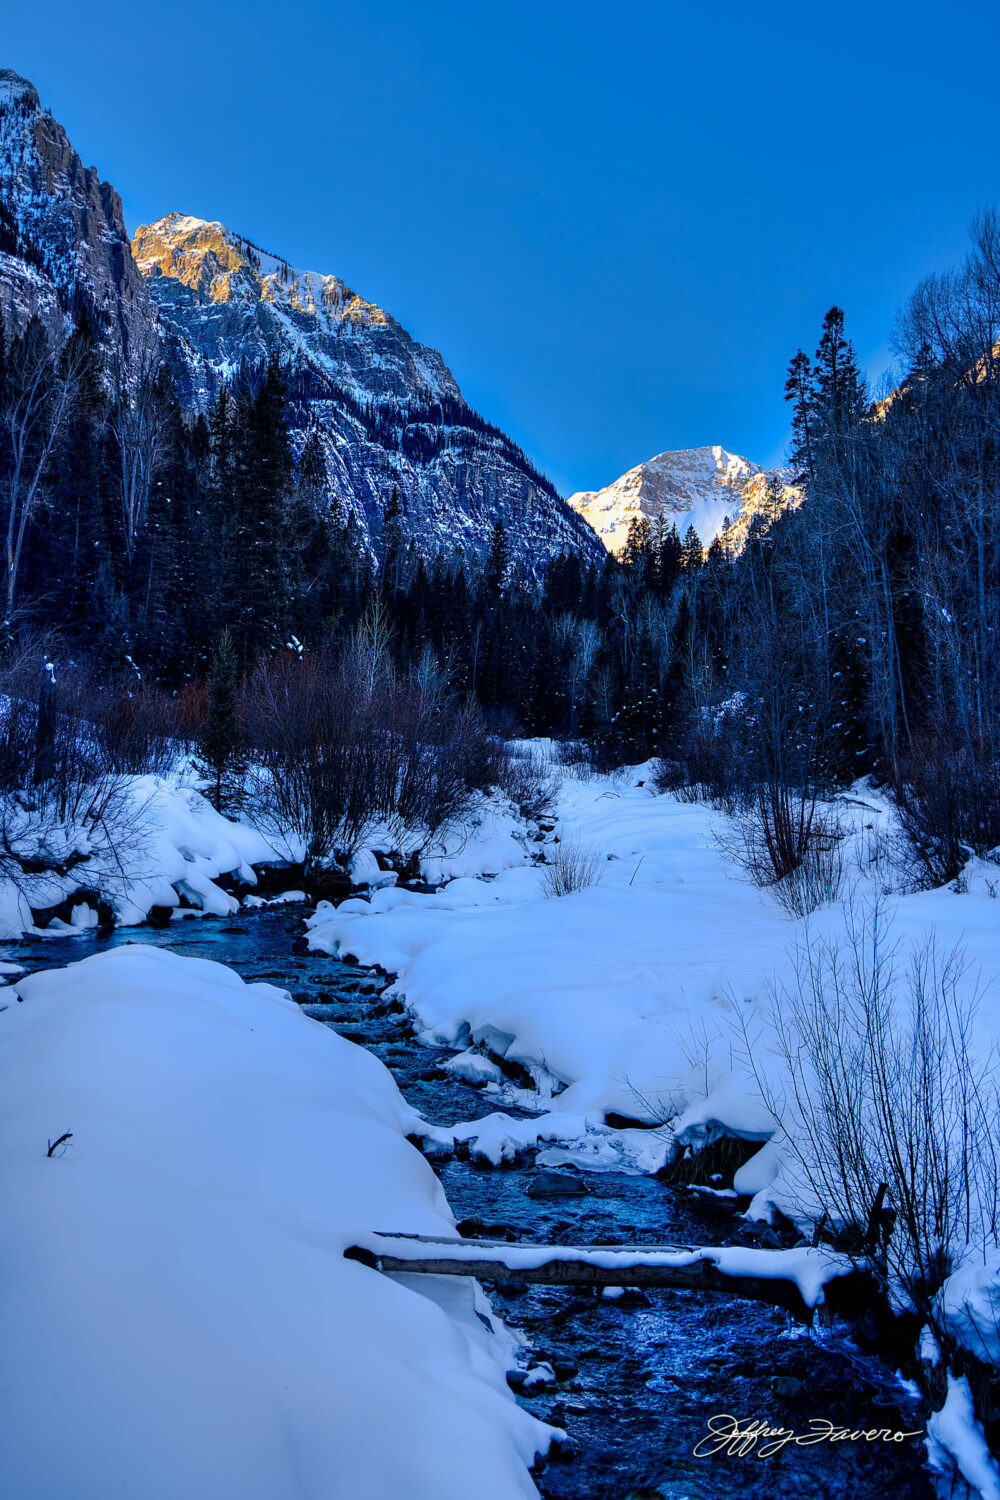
(736, 1439)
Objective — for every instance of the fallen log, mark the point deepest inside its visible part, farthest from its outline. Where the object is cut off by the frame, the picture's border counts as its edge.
(792, 1279)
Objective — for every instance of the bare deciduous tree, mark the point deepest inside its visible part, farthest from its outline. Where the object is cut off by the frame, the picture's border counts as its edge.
(38, 393)
(137, 424)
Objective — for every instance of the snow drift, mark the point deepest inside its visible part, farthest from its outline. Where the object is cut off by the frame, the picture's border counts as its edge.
(178, 1316)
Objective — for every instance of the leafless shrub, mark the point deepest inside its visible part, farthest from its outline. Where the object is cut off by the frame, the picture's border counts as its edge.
(85, 726)
(340, 746)
(444, 762)
(787, 843)
(63, 809)
(522, 773)
(137, 731)
(948, 797)
(815, 882)
(885, 856)
(573, 867)
(576, 757)
(670, 775)
(707, 772)
(887, 1106)
(18, 732)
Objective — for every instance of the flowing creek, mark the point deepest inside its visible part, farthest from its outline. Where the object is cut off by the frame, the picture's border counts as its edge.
(640, 1373)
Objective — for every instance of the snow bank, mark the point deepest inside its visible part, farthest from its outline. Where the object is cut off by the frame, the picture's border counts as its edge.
(168, 844)
(956, 1440)
(165, 845)
(491, 841)
(182, 846)
(605, 991)
(632, 996)
(178, 1316)
(969, 1303)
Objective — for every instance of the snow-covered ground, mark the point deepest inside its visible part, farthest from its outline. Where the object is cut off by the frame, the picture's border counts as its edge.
(628, 996)
(178, 1318)
(635, 996)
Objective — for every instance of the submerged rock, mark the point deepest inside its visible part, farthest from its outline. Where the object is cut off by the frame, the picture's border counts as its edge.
(550, 1183)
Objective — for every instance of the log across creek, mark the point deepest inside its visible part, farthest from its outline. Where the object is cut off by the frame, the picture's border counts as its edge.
(792, 1279)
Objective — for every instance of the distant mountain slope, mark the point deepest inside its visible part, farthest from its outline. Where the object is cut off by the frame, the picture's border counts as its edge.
(388, 410)
(699, 487)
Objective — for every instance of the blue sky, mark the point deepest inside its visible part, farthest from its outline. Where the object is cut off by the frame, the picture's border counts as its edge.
(616, 221)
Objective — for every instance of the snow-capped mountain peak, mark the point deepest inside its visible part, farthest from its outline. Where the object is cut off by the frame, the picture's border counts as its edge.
(700, 487)
(208, 257)
(386, 411)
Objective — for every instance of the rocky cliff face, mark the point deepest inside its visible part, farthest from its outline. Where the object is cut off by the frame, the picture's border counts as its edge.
(700, 487)
(387, 410)
(225, 301)
(63, 244)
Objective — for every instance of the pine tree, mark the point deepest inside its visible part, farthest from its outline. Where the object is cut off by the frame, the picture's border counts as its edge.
(70, 537)
(637, 543)
(218, 517)
(392, 543)
(220, 739)
(840, 392)
(670, 559)
(256, 596)
(498, 562)
(638, 722)
(692, 552)
(800, 390)
(309, 543)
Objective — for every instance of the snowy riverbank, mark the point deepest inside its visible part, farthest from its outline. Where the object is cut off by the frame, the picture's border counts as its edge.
(178, 1316)
(166, 846)
(631, 997)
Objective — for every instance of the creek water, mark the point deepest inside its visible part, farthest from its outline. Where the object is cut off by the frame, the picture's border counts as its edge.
(640, 1373)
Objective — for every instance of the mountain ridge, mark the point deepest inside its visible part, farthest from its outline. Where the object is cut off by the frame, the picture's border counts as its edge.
(387, 412)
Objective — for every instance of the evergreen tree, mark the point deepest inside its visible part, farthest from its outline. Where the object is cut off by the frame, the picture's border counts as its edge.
(800, 390)
(637, 543)
(218, 515)
(309, 542)
(70, 538)
(220, 738)
(392, 543)
(840, 392)
(692, 552)
(256, 597)
(670, 559)
(498, 562)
